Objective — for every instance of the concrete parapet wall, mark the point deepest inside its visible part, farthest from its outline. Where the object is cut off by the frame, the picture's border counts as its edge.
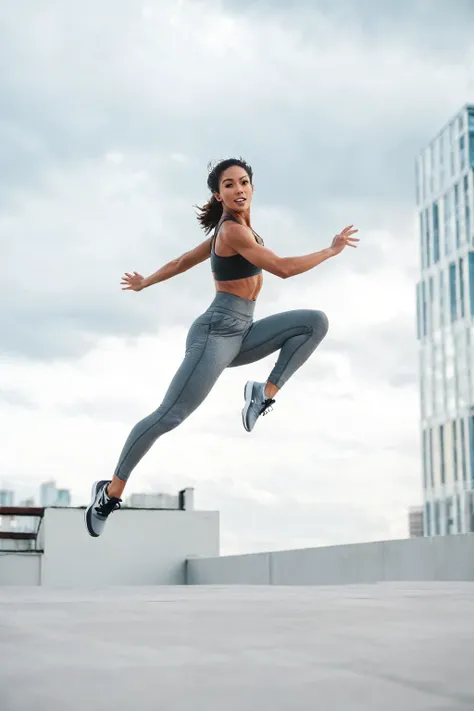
(415, 559)
(138, 547)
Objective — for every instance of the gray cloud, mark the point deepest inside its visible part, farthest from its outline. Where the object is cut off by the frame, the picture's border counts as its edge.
(326, 140)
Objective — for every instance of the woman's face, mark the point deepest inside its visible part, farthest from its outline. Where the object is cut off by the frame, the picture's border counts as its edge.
(235, 189)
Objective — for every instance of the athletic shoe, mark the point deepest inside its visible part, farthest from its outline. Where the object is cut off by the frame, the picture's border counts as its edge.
(100, 507)
(256, 404)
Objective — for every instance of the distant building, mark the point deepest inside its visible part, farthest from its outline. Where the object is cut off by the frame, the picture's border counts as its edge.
(7, 497)
(27, 503)
(50, 495)
(445, 325)
(151, 501)
(415, 522)
(63, 497)
(155, 500)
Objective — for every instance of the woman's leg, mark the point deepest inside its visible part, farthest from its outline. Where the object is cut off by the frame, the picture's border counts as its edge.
(206, 357)
(296, 334)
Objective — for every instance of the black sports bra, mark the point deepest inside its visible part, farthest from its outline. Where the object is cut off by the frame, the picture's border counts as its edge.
(233, 267)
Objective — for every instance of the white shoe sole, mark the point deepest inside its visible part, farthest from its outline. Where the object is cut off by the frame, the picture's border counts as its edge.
(248, 399)
(93, 498)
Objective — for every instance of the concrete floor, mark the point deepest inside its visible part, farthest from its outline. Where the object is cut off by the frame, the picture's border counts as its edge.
(368, 648)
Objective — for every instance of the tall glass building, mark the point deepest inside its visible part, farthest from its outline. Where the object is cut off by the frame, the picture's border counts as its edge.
(445, 325)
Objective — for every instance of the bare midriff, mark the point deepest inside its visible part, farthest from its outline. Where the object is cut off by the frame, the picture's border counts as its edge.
(248, 288)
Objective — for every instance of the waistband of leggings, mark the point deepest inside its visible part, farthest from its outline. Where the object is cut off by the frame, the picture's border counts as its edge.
(223, 301)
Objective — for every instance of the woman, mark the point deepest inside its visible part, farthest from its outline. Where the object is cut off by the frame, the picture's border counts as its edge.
(224, 336)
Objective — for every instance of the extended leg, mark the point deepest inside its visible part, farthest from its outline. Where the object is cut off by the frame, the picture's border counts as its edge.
(205, 359)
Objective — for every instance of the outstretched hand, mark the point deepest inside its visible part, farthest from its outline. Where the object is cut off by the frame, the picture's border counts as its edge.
(344, 239)
(133, 282)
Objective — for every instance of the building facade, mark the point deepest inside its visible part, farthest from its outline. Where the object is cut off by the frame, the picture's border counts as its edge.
(445, 325)
(7, 497)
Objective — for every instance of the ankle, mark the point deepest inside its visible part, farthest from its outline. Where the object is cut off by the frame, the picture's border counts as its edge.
(270, 390)
(113, 492)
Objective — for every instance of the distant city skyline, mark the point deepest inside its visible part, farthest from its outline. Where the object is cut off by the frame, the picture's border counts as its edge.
(48, 494)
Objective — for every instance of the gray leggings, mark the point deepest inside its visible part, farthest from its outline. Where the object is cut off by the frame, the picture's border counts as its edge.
(225, 336)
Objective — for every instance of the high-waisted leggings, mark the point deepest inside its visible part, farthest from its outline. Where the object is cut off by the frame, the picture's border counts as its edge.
(225, 336)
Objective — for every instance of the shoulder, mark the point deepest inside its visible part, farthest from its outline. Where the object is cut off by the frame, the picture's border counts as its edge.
(233, 230)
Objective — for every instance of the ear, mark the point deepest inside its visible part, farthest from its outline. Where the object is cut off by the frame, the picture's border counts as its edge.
(218, 197)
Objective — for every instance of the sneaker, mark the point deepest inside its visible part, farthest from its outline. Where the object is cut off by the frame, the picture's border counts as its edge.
(256, 404)
(100, 507)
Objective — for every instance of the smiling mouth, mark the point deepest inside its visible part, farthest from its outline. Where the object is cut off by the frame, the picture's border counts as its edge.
(240, 200)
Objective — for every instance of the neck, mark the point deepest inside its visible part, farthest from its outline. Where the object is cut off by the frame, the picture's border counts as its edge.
(242, 216)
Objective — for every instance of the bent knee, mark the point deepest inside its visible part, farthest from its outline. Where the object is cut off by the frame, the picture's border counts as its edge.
(319, 323)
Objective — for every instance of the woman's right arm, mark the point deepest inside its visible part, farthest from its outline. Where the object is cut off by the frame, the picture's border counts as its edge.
(136, 282)
(242, 241)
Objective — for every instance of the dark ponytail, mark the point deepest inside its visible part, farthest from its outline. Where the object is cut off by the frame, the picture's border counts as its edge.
(210, 213)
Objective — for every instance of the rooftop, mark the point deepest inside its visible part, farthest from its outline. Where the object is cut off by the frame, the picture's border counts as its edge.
(387, 646)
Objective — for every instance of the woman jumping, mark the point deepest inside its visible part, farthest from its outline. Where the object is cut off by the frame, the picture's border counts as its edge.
(225, 335)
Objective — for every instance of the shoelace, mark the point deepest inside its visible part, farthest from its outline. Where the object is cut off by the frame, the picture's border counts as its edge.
(106, 507)
(267, 406)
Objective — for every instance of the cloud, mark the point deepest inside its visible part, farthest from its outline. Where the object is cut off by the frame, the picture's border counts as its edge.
(110, 115)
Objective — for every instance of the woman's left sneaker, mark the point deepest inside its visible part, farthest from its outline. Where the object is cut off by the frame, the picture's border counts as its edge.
(100, 507)
(256, 404)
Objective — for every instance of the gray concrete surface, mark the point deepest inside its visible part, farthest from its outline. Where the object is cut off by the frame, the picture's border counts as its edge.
(366, 647)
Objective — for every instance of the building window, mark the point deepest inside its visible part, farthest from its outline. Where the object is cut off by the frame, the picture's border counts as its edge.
(427, 522)
(424, 309)
(467, 211)
(437, 527)
(456, 214)
(463, 452)
(441, 454)
(455, 450)
(471, 445)
(441, 299)
(458, 513)
(449, 514)
(425, 460)
(435, 232)
(461, 285)
(418, 309)
(427, 238)
(462, 152)
(452, 290)
(432, 319)
(430, 449)
(471, 281)
(447, 223)
(471, 147)
(422, 241)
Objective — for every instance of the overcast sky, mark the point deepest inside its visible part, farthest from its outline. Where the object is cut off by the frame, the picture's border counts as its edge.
(110, 111)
